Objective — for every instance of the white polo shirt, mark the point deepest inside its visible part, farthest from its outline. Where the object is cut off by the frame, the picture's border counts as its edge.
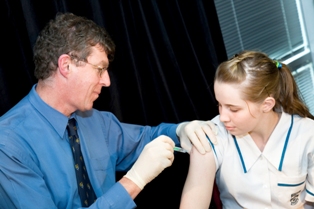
(282, 176)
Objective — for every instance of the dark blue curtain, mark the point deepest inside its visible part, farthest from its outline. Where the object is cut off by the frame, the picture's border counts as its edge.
(166, 56)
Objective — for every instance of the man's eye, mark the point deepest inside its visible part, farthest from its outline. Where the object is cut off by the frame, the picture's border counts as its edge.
(101, 69)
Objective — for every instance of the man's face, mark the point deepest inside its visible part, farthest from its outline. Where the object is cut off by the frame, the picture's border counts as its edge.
(86, 82)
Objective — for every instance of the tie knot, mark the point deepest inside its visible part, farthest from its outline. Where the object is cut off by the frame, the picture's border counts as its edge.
(71, 127)
(72, 122)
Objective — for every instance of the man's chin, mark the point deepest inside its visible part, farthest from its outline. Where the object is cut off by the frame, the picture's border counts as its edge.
(87, 107)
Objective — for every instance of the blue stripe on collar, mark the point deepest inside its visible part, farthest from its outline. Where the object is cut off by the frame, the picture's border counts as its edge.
(239, 152)
(285, 146)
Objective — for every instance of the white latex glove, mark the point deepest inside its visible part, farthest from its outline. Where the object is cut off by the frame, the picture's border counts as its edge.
(155, 157)
(195, 132)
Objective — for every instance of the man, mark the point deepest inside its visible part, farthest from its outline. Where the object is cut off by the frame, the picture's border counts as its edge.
(41, 166)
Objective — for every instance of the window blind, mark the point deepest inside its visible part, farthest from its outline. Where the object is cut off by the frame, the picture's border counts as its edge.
(304, 77)
(266, 25)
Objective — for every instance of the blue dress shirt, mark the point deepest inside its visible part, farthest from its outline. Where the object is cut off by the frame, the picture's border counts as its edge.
(36, 163)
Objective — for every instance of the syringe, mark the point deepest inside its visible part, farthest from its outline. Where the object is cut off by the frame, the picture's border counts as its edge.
(179, 149)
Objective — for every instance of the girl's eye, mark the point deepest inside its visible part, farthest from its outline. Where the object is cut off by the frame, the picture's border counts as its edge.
(233, 110)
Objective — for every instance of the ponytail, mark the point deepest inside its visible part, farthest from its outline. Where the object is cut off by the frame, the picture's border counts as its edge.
(289, 98)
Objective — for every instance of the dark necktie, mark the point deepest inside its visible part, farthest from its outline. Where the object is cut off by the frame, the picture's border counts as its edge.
(85, 189)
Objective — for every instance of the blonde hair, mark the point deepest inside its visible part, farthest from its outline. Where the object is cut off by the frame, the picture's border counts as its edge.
(261, 77)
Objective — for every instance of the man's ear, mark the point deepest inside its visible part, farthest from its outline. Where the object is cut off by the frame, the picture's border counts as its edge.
(64, 62)
(268, 104)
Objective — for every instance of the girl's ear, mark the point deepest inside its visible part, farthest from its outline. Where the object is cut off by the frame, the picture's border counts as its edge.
(64, 62)
(268, 104)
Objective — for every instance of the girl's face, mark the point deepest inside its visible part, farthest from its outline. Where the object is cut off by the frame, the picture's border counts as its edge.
(239, 116)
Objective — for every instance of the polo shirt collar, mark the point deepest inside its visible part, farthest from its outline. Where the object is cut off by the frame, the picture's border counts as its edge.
(249, 152)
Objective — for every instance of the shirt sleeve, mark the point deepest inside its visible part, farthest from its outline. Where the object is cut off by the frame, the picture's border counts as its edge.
(309, 196)
(126, 141)
(115, 198)
(306, 135)
(222, 138)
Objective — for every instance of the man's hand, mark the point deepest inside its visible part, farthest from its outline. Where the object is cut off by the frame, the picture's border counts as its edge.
(155, 157)
(196, 132)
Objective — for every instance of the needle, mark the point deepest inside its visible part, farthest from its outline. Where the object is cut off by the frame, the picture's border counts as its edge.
(179, 149)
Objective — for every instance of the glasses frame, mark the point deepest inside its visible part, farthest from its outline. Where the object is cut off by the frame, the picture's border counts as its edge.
(101, 70)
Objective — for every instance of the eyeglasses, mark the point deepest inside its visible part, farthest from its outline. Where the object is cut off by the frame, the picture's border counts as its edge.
(101, 70)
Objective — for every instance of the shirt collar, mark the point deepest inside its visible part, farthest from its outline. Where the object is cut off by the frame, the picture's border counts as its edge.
(276, 143)
(56, 119)
(250, 153)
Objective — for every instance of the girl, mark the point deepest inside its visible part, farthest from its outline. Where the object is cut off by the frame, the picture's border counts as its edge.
(265, 152)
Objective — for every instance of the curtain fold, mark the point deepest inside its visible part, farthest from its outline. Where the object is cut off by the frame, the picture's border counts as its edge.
(166, 56)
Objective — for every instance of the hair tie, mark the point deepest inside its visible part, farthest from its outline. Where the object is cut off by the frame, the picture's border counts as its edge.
(278, 65)
(234, 56)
